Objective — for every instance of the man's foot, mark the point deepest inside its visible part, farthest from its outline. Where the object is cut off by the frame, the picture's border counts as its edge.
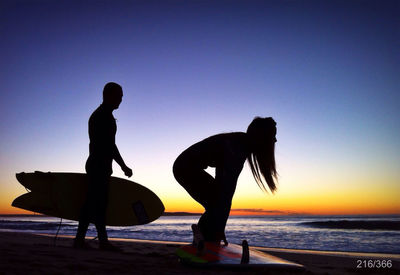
(109, 247)
(80, 244)
(245, 253)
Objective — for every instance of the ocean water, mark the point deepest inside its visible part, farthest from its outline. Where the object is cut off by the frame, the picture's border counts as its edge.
(380, 234)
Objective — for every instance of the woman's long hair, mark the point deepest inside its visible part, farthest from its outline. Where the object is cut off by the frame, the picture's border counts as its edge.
(262, 137)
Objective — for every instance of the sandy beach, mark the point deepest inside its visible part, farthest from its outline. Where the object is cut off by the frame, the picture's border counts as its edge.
(23, 253)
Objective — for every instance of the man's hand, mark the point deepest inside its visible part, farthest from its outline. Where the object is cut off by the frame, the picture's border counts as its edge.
(127, 171)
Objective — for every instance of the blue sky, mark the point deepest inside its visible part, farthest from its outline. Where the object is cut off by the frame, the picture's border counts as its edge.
(327, 71)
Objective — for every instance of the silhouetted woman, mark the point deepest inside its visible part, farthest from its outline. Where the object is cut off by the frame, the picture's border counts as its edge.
(227, 153)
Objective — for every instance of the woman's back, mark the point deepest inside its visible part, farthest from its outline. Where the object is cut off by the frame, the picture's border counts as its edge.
(216, 150)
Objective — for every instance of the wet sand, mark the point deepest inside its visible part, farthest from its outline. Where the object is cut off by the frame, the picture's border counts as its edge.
(23, 253)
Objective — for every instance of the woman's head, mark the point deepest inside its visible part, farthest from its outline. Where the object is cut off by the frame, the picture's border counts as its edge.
(262, 138)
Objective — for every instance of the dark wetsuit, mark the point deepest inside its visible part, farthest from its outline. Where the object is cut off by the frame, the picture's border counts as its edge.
(227, 153)
(102, 130)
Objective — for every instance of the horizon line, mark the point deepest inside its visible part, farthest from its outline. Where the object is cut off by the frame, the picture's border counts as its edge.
(248, 214)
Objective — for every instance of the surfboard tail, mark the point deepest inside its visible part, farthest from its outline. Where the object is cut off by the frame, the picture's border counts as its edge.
(34, 202)
(20, 177)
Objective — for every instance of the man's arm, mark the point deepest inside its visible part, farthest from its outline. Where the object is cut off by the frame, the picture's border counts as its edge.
(117, 157)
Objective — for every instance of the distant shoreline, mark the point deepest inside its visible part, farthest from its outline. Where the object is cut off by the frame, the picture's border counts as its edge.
(198, 214)
(180, 214)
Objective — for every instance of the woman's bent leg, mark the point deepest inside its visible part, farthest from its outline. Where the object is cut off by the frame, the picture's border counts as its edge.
(201, 186)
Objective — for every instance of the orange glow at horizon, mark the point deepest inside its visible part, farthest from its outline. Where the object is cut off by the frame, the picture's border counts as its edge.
(284, 202)
(299, 210)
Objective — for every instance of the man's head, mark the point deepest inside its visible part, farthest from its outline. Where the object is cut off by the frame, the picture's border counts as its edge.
(112, 95)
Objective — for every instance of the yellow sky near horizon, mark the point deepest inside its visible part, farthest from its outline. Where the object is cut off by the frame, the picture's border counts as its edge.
(292, 197)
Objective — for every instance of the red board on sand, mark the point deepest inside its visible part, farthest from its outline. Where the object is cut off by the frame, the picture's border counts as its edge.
(231, 256)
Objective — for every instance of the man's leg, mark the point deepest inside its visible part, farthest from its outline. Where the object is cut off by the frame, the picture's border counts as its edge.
(101, 207)
(82, 228)
(85, 215)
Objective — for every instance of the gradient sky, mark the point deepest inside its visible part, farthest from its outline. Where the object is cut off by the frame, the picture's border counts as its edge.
(326, 71)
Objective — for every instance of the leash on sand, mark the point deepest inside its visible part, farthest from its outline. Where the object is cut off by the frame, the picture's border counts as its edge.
(59, 227)
(58, 230)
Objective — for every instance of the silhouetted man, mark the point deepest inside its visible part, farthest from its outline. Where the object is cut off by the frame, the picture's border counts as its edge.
(102, 151)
